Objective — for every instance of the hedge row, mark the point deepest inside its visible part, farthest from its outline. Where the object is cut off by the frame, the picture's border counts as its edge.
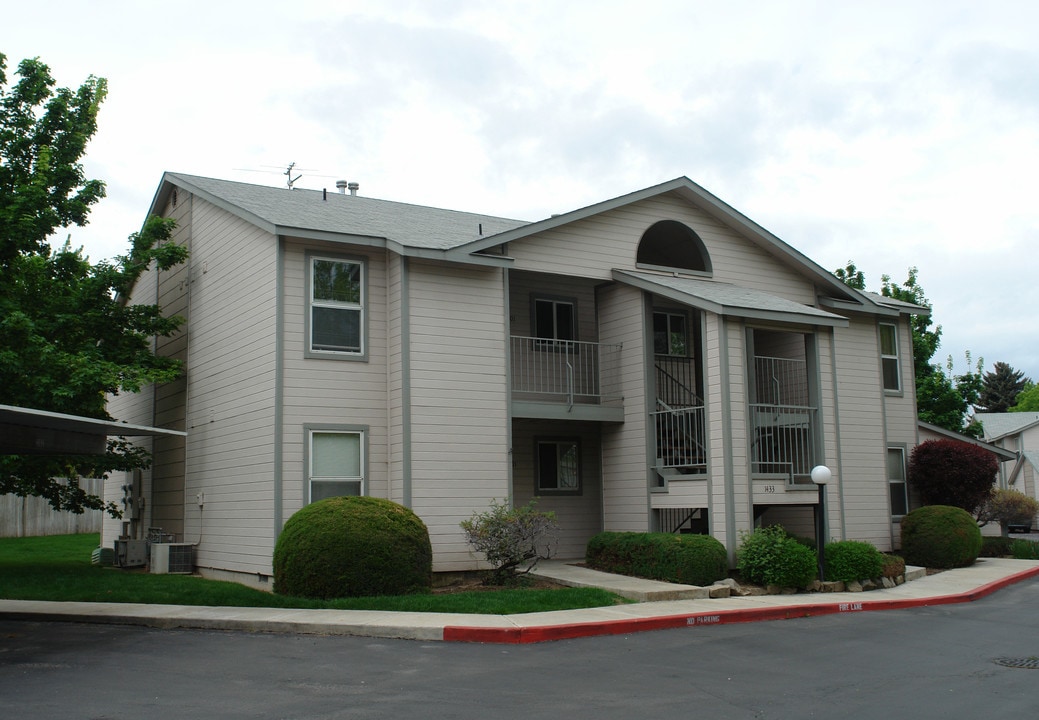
(686, 559)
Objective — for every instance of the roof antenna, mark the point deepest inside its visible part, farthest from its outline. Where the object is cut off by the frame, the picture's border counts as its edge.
(288, 174)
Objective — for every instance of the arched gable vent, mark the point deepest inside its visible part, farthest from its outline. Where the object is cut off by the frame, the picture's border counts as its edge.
(671, 245)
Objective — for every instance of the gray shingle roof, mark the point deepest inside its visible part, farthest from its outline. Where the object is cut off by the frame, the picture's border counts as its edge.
(413, 226)
(996, 425)
(727, 299)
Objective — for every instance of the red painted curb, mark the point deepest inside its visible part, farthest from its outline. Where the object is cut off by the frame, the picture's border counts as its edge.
(546, 633)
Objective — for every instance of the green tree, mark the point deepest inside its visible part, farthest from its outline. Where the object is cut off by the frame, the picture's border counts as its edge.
(942, 397)
(1000, 388)
(1027, 399)
(67, 338)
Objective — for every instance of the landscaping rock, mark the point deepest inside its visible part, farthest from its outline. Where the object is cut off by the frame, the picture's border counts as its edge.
(853, 586)
(888, 582)
(720, 591)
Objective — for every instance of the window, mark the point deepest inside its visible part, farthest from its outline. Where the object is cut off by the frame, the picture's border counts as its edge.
(554, 319)
(335, 463)
(671, 245)
(558, 466)
(889, 357)
(337, 295)
(669, 334)
(896, 477)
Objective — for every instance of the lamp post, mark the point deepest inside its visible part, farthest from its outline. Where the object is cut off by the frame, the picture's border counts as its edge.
(820, 476)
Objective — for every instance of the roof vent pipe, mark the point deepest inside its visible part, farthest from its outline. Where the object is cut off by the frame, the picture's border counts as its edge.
(354, 187)
(341, 186)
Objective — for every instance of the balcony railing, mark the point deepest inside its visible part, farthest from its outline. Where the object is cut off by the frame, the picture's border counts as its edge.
(681, 438)
(783, 441)
(565, 371)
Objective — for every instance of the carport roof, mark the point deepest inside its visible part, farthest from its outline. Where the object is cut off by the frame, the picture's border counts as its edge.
(26, 431)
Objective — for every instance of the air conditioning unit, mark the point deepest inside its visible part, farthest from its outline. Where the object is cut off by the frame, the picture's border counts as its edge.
(173, 558)
(131, 553)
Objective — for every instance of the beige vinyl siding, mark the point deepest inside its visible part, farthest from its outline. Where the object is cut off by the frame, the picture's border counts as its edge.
(524, 287)
(579, 516)
(718, 378)
(230, 391)
(624, 446)
(863, 478)
(394, 375)
(735, 334)
(595, 246)
(459, 410)
(330, 391)
(167, 485)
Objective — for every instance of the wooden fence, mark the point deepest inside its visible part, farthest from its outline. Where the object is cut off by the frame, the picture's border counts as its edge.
(33, 516)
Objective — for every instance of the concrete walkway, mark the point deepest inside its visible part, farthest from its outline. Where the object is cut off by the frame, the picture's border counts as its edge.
(688, 609)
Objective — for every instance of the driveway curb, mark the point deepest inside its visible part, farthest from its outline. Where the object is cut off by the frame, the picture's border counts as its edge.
(546, 633)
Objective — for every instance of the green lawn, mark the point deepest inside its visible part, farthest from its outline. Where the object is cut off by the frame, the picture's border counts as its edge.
(58, 567)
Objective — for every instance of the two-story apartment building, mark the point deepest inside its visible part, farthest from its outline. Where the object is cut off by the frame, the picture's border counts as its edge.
(656, 361)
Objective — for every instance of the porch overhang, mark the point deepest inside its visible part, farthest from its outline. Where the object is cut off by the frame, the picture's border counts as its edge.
(25, 431)
(729, 300)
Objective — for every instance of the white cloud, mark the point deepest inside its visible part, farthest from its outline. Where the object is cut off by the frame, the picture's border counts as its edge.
(890, 133)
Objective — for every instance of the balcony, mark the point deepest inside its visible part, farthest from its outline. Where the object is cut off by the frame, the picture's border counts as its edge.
(565, 379)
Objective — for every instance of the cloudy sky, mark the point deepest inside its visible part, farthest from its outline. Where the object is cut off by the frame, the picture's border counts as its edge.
(894, 134)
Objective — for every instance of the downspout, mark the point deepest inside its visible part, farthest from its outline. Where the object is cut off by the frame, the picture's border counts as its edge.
(279, 383)
(405, 382)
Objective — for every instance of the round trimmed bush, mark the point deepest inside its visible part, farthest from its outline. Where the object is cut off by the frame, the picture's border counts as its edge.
(353, 547)
(893, 566)
(769, 556)
(850, 560)
(940, 536)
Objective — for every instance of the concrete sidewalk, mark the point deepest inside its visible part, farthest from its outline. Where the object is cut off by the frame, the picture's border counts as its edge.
(986, 576)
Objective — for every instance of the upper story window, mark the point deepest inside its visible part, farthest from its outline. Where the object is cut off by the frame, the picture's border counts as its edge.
(889, 361)
(337, 300)
(671, 245)
(555, 319)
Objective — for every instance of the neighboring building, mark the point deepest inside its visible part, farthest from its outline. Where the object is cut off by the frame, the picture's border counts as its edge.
(1017, 432)
(653, 362)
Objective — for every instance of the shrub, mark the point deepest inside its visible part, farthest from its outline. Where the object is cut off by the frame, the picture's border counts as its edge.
(995, 547)
(686, 559)
(893, 566)
(509, 537)
(352, 547)
(769, 556)
(1025, 549)
(849, 560)
(952, 472)
(940, 536)
(1008, 507)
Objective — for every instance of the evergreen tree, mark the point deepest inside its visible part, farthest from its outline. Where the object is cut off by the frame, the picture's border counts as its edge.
(1000, 388)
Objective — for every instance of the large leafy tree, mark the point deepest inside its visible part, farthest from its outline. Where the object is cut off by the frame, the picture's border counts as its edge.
(1000, 388)
(1027, 399)
(943, 398)
(67, 338)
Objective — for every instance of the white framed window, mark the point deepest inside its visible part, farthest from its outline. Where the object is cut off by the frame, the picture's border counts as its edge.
(889, 361)
(896, 478)
(336, 317)
(336, 462)
(555, 319)
(558, 466)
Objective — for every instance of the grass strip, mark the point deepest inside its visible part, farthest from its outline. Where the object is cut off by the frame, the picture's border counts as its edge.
(58, 567)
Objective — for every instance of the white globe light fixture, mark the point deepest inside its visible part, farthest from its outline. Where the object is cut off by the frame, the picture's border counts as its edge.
(821, 474)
